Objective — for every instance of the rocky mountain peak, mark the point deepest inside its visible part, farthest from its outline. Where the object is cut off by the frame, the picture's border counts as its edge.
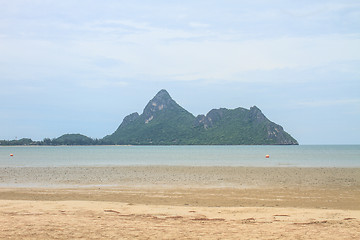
(256, 114)
(211, 118)
(162, 94)
(130, 118)
(161, 102)
(164, 122)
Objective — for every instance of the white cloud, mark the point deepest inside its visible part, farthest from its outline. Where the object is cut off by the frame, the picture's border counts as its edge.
(102, 83)
(175, 54)
(198, 25)
(316, 10)
(218, 59)
(192, 51)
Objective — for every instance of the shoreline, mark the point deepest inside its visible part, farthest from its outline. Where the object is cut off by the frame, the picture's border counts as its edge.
(337, 188)
(169, 202)
(183, 176)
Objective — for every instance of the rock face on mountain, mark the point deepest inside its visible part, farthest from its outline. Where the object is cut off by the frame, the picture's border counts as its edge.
(164, 122)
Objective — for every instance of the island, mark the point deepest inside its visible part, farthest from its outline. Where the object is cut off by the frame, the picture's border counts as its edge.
(164, 122)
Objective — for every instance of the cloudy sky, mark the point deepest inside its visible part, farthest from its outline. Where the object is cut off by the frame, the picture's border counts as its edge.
(82, 66)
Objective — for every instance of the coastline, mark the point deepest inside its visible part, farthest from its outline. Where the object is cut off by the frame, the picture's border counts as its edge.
(152, 202)
(180, 176)
(335, 188)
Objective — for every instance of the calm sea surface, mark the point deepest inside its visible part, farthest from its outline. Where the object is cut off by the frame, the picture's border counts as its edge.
(254, 156)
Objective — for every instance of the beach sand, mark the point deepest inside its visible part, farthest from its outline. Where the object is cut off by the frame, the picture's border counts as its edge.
(161, 202)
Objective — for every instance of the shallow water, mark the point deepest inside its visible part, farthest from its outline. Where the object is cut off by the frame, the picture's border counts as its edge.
(248, 156)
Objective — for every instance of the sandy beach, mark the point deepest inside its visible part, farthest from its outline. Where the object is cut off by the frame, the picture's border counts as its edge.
(152, 202)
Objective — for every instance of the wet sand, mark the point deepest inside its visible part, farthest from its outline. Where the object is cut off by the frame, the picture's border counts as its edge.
(175, 176)
(152, 202)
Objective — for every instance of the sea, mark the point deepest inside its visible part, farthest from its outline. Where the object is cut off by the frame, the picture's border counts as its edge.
(347, 156)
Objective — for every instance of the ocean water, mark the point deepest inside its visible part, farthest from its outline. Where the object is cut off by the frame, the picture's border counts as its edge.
(249, 156)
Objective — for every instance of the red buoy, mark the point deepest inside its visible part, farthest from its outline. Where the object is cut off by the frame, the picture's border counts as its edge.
(267, 156)
(11, 155)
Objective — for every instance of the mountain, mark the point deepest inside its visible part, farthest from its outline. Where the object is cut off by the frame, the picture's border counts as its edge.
(164, 122)
(72, 139)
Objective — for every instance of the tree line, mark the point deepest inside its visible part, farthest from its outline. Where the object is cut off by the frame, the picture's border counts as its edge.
(67, 139)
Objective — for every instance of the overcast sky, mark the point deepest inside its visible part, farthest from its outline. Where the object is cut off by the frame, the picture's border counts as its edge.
(82, 66)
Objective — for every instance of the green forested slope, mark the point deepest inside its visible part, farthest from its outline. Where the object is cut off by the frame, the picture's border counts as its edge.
(164, 122)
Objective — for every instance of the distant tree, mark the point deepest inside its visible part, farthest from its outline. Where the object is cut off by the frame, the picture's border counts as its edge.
(47, 141)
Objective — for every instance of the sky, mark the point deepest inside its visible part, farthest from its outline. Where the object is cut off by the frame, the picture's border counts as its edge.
(82, 66)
